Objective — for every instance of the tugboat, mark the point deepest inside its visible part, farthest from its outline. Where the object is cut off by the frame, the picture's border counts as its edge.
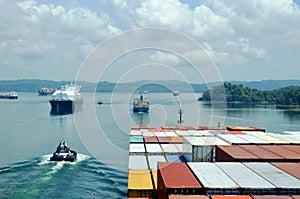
(140, 105)
(100, 102)
(63, 153)
(65, 99)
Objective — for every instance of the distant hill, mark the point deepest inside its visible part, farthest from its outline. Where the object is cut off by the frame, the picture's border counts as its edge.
(268, 84)
(32, 85)
(160, 86)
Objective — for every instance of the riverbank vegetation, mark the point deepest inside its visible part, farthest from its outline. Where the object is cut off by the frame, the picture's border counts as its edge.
(236, 93)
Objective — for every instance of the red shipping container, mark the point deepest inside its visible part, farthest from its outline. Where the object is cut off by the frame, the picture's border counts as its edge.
(162, 139)
(176, 178)
(237, 132)
(233, 153)
(294, 148)
(150, 139)
(287, 154)
(289, 167)
(262, 153)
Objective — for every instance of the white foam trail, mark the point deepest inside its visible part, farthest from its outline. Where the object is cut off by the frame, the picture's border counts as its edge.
(45, 159)
(55, 168)
(59, 165)
(81, 157)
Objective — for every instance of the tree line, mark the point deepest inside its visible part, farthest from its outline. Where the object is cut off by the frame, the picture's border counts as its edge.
(228, 92)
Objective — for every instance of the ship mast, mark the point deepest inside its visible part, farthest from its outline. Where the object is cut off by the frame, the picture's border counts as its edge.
(180, 121)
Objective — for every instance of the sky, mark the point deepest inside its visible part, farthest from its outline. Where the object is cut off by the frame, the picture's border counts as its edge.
(246, 40)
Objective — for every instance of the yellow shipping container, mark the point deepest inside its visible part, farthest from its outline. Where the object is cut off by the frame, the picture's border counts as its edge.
(270, 139)
(140, 184)
(154, 175)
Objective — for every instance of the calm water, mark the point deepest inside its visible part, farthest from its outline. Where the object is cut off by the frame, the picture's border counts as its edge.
(99, 133)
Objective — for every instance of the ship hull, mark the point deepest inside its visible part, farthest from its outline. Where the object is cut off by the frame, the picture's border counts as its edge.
(8, 97)
(64, 157)
(60, 107)
(140, 109)
(45, 93)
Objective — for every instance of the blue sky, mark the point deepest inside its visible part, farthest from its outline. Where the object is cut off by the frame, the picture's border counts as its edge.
(247, 39)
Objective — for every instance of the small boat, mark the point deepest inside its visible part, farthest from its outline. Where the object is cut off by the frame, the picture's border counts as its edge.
(100, 102)
(64, 100)
(10, 95)
(140, 104)
(46, 91)
(63, 153)
(176, 93)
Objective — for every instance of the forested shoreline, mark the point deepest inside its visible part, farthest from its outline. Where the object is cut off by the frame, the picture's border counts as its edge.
(288, 96)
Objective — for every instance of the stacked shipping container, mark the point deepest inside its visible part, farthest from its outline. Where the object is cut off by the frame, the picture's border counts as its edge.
(208, 151)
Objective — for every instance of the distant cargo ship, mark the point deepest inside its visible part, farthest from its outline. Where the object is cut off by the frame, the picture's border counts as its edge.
(140, 104)
(46, 91)
(65, 99)
(10, 95)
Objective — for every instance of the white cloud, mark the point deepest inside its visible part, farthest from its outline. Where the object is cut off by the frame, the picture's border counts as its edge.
(52, 34)
(233, 33)
(165, 58)
(201, 22)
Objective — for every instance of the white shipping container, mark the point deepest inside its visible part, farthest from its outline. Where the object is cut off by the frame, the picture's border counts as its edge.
(147, 133)
(252, 139)
(204, 133)
(213, 140)
(170, 133)
(154, 159)
(135, 132)
(137, 162)
(201, 149)
(243, 176)
(179, 147)
(274, 175)
(182, 133)
(137, 148)
(212, 176)
(294, 139)
(169, 149)
(233, 139)
(292, 132)
(153, 148)
(160, 134)
(253, 132)
(270, 139)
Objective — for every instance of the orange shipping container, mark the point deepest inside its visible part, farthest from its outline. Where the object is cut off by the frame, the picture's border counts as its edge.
(175, 139)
